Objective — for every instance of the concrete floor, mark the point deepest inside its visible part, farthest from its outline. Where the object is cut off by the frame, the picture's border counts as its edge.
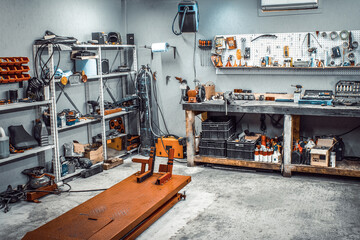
(221, 204)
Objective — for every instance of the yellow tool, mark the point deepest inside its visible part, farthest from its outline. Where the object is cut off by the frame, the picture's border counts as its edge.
(63, 80)
(238, 56)
(286, 51)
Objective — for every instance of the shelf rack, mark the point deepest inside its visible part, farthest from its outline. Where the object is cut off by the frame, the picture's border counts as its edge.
(26, 153)
(21, 105)
(101, 118)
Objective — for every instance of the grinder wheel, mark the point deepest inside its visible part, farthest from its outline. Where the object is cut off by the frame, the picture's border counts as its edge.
(201, 95)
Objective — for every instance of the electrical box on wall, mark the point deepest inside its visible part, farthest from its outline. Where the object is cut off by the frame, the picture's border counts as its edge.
(188, 16)
(188, 13)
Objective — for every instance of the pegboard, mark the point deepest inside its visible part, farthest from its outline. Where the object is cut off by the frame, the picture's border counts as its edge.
(298, 50)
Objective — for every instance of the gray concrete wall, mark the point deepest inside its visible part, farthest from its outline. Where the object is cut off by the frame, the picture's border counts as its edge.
(151, 22)
(23, 21)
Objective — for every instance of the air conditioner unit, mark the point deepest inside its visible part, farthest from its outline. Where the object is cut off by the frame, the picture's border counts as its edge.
(273, 5)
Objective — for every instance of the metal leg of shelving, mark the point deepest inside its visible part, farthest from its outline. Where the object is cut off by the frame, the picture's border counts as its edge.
(53, 121)
(87, 97)
(102, 113)
(288, 131)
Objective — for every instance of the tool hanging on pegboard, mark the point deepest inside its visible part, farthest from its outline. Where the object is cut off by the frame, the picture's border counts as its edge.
(117, 124)
(205, 52)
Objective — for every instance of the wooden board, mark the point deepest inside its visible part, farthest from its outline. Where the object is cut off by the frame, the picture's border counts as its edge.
(112, 163)
(325, 170)
(114, 212)
(270, 107)
(237, 162)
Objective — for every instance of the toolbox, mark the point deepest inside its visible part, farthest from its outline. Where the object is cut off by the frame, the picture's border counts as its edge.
(212, 147)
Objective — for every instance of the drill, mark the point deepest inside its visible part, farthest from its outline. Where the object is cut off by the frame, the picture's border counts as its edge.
(94, 105)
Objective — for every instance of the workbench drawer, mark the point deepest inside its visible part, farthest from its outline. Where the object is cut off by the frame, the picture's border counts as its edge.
(218, 124)
(239, 154)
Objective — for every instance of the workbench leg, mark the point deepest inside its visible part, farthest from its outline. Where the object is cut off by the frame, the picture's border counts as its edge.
(190, 137)
(288, 131)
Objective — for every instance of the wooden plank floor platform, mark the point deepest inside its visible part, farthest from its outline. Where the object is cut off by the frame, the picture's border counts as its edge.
(113, 213)
(339, 171)
(237, 162)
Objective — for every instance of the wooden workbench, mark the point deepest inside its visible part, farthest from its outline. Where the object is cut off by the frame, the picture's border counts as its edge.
(290, 112)
(120, 212)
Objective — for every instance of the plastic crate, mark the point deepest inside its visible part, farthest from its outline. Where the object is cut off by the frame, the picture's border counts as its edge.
(219, 134)
(218, 124)
(240, 154)
(217, 152)
(244, 146)
(11, 61)
(209, 143)
(14, 69)
(14, 78)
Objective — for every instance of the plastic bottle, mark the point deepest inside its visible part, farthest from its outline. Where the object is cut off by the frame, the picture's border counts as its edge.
(256, 154)
(261, 154)
(271, 154)
(4, 144)
(333, 159)
(275, 157)
(265, 153)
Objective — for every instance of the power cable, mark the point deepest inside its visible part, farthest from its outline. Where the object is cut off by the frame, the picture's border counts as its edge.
(340, 135)
(194, 63)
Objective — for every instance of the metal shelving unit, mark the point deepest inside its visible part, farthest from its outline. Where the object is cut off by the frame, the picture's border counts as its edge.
(81, 123)
(21, 105)
(102, 118)
(18, 156)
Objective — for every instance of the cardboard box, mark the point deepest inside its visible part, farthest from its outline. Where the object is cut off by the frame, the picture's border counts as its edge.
(78, 147)
(94, 153)
(320, 154)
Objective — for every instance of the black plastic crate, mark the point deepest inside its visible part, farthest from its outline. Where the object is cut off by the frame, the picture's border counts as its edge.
(218, 134)
(212, 143)
(218, 124)
(244, 146)
(239, 154)
(217, 152)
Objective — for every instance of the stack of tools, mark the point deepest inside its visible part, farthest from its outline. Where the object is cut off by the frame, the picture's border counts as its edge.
(68, 117)
(205, 46)
(133, 141)
(129, 103)
(13, 70)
